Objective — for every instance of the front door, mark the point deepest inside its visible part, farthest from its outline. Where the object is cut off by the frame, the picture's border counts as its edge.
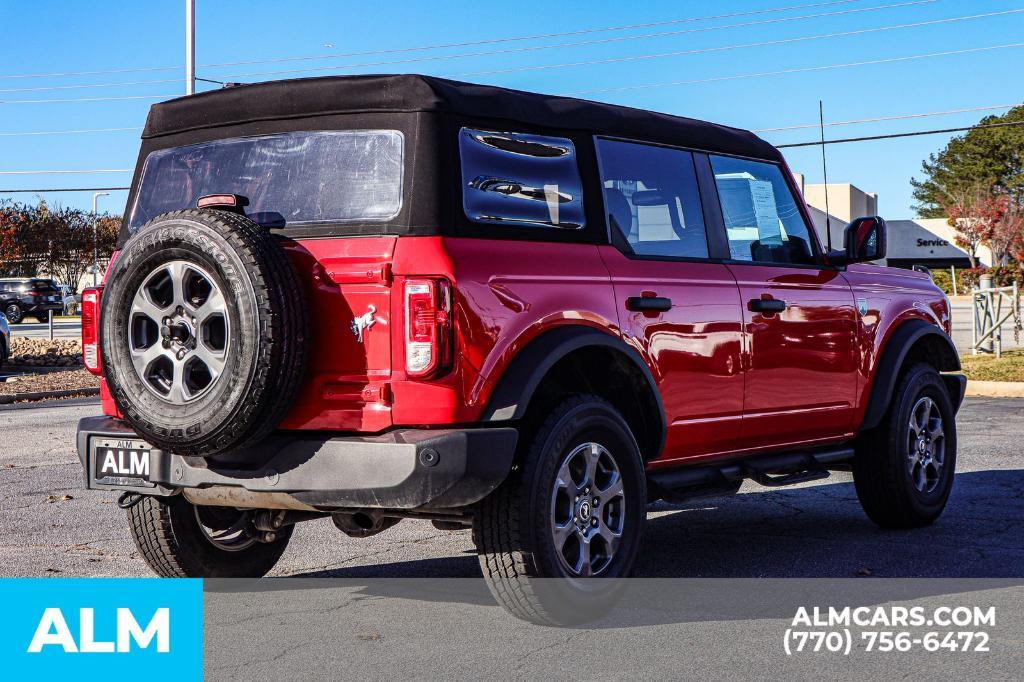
(680, 310)
(799, 316)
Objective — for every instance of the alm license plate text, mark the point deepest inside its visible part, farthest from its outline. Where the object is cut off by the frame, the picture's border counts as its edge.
(121, 462)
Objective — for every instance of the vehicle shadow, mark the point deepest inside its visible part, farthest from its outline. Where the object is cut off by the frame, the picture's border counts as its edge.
(817, 534)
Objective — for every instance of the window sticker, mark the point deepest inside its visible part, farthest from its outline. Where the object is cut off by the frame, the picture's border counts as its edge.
(769, 230)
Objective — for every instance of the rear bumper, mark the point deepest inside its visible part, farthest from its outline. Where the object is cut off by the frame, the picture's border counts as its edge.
(404, 469)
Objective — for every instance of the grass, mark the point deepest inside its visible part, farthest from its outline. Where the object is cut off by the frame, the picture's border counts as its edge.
(1010, 367)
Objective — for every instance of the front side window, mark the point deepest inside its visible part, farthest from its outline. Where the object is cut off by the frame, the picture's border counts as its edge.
(299, 178)
(652, 200)
(763, 220)
(520, 180)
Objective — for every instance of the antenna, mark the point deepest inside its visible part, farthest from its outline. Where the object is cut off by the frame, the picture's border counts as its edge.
(824, 171)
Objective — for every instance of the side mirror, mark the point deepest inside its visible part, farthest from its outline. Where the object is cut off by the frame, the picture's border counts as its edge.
(865, 239)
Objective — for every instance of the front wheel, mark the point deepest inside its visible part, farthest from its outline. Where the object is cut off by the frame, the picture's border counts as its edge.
(903, 469)
(567, 522)
(178, 539)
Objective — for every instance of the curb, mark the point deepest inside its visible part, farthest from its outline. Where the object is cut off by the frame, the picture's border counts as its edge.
(995, 389)
(47, 395)
(40, 369)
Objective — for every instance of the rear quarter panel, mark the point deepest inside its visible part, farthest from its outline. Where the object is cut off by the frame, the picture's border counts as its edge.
(507, 293)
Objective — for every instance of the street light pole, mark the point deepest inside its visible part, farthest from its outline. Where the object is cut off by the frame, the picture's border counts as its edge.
(190, 47)
(95, 240)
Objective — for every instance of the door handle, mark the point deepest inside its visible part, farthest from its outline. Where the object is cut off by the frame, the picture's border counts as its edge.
(766, 305)
(648, 304)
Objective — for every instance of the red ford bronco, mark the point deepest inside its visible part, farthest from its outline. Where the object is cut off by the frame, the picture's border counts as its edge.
(378, 298)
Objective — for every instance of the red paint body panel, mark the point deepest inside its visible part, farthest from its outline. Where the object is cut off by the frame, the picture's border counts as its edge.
(731, 381)
(693, 350)
(801, 371)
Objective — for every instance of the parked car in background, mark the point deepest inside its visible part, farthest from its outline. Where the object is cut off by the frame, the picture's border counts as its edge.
(5, 340)
(30, 297)
(69, 298)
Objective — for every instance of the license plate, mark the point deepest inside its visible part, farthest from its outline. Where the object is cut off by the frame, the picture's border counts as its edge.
(121, 461)
(53, 298)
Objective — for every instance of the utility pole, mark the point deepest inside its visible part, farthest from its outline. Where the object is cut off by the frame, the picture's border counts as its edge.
(95, 250)
(190, 47)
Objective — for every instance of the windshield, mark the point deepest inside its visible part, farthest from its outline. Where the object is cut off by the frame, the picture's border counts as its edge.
(299, 178)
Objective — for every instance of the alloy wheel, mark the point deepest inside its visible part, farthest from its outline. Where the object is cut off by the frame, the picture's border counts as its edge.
(587, 510)
(178, 332)
(926, 445)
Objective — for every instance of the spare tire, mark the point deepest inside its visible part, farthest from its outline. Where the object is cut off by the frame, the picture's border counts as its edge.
(202, 332)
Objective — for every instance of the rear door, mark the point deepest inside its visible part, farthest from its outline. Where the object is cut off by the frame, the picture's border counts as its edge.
(799, 315)
(677, 307)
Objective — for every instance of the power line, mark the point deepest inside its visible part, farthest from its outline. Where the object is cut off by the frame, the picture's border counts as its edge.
(624, 59)
(67, 74)
(541, 36)
(890, 136)
(766, 43)
(66, 132)
(440, 46)
(780, 146)
(62, 189)
(879, 119)
(601, 41)
(91, 85)
(805, 69)
(534, 48)
(85, 99)
(65, 172)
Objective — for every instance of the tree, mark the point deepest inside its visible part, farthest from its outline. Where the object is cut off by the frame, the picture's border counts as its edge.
(974, 217)
(989, 160)
(38, 240)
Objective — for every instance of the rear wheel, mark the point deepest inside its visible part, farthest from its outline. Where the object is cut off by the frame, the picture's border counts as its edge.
(43, 318)
(178, 539)
(13, 313)
(570, 516)
(904, 468)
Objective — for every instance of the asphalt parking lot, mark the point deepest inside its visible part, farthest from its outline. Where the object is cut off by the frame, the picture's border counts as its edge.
(49, 525)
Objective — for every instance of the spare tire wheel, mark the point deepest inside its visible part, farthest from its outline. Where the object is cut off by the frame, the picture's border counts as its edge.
(202, 332)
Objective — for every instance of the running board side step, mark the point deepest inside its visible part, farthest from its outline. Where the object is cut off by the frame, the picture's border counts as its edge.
(773, 470)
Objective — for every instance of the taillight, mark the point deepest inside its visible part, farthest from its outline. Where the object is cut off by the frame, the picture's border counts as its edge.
(91, 329)
(428, 327)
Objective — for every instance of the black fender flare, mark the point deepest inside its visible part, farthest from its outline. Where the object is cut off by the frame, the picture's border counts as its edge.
(524, 374)
(893, 355)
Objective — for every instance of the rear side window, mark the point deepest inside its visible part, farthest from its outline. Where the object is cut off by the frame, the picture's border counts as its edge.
(291, 179)
(652, 200)
(761, 215)
(520, 180)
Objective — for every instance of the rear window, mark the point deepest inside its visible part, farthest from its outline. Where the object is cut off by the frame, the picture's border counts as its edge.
(520, 180)
(291, 179)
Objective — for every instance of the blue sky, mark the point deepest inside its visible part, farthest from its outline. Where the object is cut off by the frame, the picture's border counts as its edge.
(60, 37)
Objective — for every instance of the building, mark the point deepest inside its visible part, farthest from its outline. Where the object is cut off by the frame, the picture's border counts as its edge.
(920, 241)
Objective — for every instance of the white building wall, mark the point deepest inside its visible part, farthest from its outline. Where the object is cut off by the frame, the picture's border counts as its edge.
(919, 240)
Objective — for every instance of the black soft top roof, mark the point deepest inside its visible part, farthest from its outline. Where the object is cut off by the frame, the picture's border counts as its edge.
(310, 97)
